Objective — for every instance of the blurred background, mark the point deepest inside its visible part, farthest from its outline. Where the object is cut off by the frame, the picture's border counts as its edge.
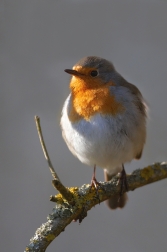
(39, 39)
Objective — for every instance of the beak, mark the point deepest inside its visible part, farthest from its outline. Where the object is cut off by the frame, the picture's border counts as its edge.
(72, 72)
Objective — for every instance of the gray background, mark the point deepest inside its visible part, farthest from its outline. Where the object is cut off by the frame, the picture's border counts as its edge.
(39, 39)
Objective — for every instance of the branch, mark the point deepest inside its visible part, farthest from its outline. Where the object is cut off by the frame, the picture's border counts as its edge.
(56, 182)
(82, 199)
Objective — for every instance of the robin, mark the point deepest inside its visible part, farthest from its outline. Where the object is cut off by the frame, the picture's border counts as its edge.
(103, 119)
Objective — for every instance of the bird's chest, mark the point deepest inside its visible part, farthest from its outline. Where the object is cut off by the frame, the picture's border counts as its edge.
(98, 138)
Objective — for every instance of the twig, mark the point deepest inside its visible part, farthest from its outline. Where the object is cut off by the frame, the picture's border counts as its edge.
(56, 182)
(54, 174)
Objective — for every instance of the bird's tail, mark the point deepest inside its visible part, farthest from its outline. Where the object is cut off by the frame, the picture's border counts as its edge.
(115, 201)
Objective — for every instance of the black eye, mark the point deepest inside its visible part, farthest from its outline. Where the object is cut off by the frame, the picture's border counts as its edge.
(94, 73)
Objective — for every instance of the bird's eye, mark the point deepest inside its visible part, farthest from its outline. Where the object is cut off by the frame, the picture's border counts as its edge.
(94, 73)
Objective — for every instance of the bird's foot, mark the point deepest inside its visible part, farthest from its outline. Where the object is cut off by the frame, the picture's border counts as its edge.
(96, 185)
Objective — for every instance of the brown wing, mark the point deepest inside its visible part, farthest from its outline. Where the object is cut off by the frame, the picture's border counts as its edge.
(134, 90)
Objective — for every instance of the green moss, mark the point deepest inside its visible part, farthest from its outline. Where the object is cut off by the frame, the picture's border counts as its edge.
(147, 173)
(50, 237)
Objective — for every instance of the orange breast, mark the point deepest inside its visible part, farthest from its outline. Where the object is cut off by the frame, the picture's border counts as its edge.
(88, 101)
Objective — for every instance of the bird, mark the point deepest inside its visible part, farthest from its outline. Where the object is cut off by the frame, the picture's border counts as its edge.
(103, 120)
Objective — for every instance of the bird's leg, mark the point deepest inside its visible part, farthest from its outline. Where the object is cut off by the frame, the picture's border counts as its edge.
(94, 181)
(123, 181)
